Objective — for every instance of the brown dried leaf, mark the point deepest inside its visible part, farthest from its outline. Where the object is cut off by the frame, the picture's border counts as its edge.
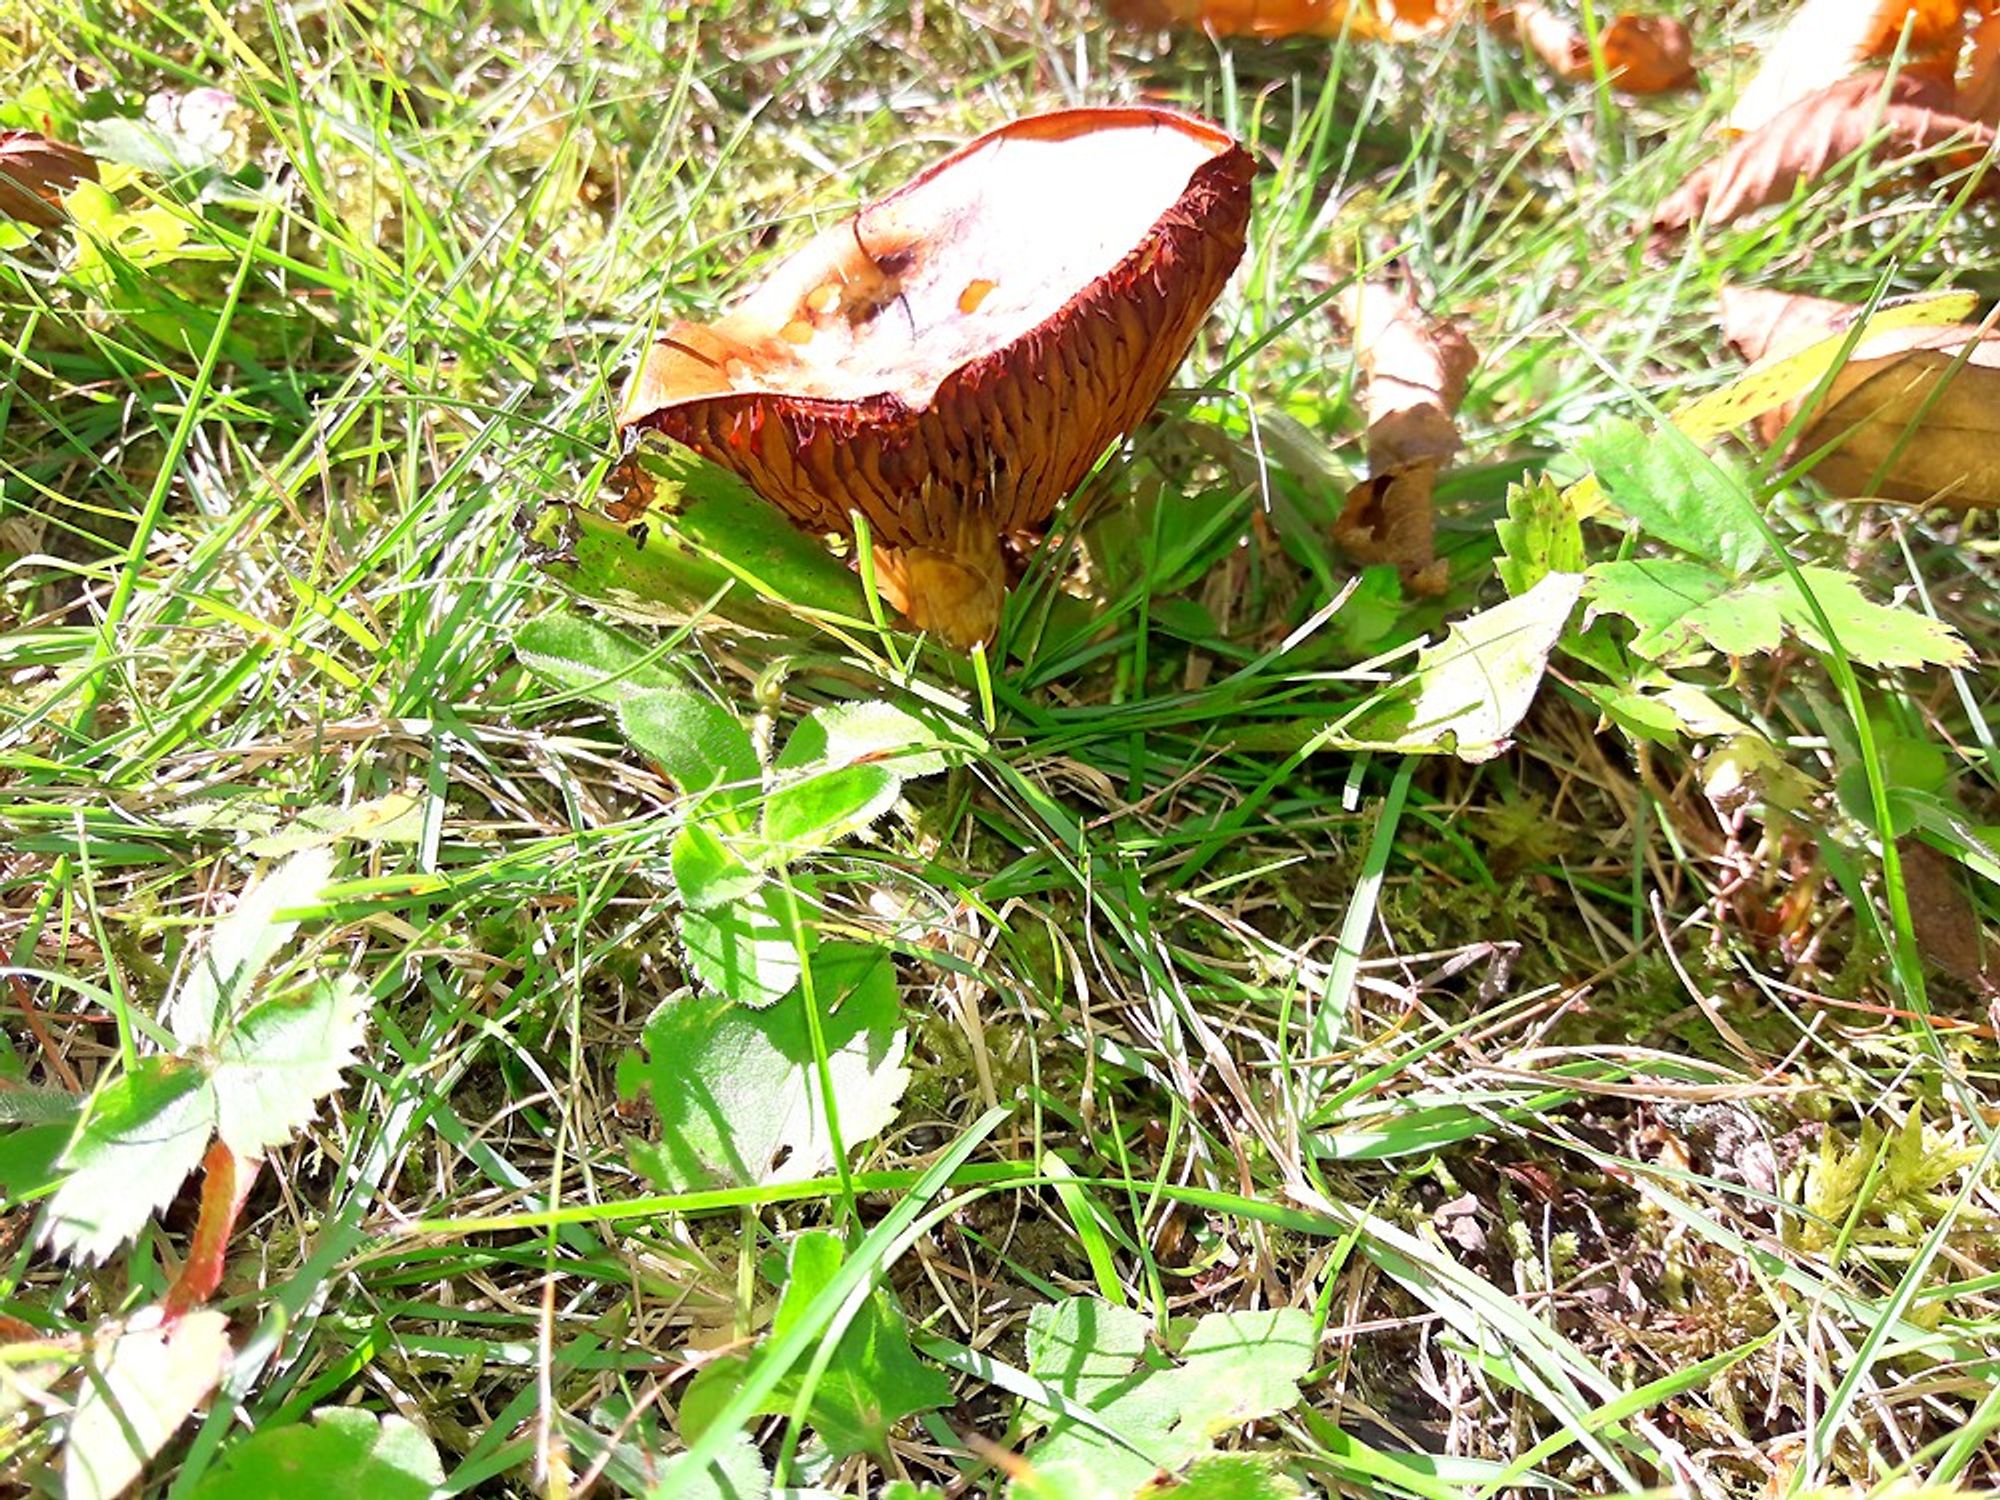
(1375, 20)
(1828, 39)
(1416, 368)
(34, 173)
(1642, 54)
(1979, 92)
(1914, 413)
(1947, 924)
(1903, 115)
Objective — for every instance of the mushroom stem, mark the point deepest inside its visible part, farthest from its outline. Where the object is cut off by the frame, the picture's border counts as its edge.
(956, 591)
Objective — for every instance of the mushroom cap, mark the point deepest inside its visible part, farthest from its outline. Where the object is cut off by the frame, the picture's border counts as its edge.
(950, 361)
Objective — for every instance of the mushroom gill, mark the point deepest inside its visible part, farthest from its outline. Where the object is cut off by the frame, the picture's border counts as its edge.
(951, 361)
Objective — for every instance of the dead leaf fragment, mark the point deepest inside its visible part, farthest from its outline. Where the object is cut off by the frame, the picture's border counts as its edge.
(1903, 115)
(1913, 415)
(1947, 924)
(1373, 20)
(1828, 39)
(35, 172)
(1416, 368)
(1642, 54)
(1979, 91)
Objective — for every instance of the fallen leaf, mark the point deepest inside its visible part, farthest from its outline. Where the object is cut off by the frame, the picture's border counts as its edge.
(1906, 114)
(1828, 39)
(1416, 367)
(1642, 54)
(34, 173)
(1913, 415)
(951, 361)
(1979, 91)
(1947, 923)
(1373, 20)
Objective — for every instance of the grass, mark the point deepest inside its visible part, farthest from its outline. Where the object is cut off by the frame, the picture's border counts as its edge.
(1610, 1135)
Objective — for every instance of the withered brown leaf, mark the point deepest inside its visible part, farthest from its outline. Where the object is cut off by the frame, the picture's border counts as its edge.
(35, 172)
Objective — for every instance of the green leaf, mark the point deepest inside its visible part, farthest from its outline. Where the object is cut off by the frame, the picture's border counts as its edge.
(1876, 635)
(737, 1092)
(1542, 534)
(705, 531)
(395, 819)
(241, 946)
(1685, 608)
(1234, 1368)
(29, 1155)
(697, 742)
(707, 871)
(738, 1475)
(748, 949)
(273, 1068)
(1677, 493)
(1914, 771)
(144, 1132)
(845, 733)
(1230, 1476)
(1471, 689)
(872, 1382)
(592, 659)
(809, 814)
(343, 1451)
(137, 1390)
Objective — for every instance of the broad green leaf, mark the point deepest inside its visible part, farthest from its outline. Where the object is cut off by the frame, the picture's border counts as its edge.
(824, 807)
(395, 819)
(1229, 1476)
(342, 1451)
(273, 1067)
(708, 871)
(1876, 635)
(217, 981)
(1914, 770)
(705, 532)
(1542, 534)
(1471, 689)
(738, 1475)
(1232, 1369)
(593, 659)
(845, 733)
(1665, 713)
(1677, 493)
(748, 949)
(697, 742)
(1684, 608)
(144, 1132)
(873, 1381)
(737, 1092)
(137, 1390)
(28, 1158)
(1781, 379)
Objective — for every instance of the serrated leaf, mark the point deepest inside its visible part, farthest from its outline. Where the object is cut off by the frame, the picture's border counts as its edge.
(1684, 608)
(824, 807)
(144, 1133)
(272, 1068)
(845, 733)
(698, 743)
(1876, 635)
(737, 1092)
(873, 1381)
(707, 870)
(342, 1451)
(738, 1475)
(137, 1390)
(747, 949)
(1233, 1368)
(1471, 689)
(241, 946)
(1677, 493)
(1542, 534)
(592, 659)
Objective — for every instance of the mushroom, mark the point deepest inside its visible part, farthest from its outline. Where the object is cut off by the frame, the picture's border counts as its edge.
(951, 361)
